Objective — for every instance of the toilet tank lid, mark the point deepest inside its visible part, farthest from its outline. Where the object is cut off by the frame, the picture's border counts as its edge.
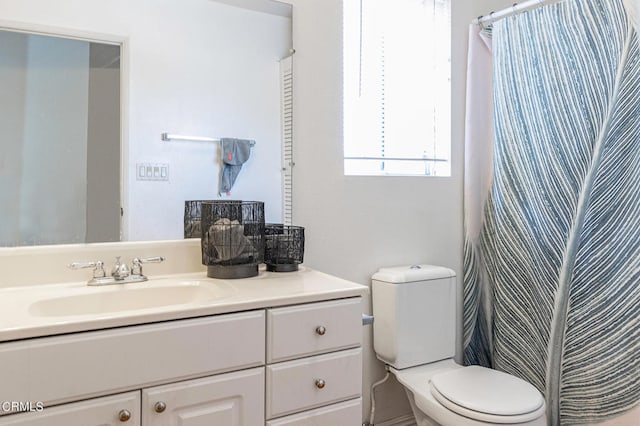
(412, 273)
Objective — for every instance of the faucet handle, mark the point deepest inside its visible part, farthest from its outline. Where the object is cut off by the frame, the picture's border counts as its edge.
(98, 267)
(136, 268)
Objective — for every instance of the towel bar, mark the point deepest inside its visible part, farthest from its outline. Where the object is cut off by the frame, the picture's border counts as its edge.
(171, 137)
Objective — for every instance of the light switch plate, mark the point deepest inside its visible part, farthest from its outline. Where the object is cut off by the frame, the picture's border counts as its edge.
(152, 171)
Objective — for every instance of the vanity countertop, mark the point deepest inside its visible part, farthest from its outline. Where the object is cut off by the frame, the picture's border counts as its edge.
(44, 310)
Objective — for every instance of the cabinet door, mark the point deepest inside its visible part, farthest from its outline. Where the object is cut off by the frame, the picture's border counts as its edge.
(116, 410)
(232, 399)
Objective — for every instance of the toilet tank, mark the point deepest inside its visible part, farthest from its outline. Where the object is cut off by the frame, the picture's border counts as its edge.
(415, 314)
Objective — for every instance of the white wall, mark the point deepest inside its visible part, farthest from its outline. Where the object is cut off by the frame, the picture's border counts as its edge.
(358, 224)
(193, 67)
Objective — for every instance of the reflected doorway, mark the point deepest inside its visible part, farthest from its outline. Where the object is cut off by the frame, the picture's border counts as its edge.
(60, 146)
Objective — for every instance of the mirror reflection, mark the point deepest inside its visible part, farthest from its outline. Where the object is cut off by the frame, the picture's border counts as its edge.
(60, 152)
(192, 67)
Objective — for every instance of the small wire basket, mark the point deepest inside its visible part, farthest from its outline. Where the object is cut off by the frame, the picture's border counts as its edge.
(284, 247)
(232, 238)
(192, 215)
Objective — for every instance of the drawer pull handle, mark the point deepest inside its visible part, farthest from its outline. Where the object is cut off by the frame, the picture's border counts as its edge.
(320, 383)
(124, 415)
(159, 407)
(320, 330)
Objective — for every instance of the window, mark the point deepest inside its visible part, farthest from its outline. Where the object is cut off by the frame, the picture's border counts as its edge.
(397, 97)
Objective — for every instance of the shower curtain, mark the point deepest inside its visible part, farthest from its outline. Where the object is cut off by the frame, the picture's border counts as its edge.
(552, 214)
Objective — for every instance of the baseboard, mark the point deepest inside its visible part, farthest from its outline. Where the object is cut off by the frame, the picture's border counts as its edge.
(407, 420)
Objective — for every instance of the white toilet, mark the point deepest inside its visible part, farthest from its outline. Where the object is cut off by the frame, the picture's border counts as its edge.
(414, 333)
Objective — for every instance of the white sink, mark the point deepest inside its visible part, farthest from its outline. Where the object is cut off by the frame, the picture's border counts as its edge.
(118, 298)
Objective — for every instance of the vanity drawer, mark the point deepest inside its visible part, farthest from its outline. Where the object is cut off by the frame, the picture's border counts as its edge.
(70, 367)
(314, 328)
(347, 413)
(299, 385)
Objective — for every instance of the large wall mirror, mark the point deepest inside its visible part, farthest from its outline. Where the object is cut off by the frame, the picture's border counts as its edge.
(87, 89)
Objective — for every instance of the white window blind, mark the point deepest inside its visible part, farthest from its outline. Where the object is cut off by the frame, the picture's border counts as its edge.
(397, 93)
(286, 102)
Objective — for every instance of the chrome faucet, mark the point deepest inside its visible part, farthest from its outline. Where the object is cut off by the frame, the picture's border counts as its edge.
(120, 273)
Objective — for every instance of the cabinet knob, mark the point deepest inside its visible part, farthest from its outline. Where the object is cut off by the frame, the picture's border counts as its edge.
(159, 407)
(124, 415)
(320, 383)
(320, 330)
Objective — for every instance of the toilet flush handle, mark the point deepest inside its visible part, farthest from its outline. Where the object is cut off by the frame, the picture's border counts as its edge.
(367, 319)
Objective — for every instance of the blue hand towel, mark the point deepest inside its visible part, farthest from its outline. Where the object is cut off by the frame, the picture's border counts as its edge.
(235, 152)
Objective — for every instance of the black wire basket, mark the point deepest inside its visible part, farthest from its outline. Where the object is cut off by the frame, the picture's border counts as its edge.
(284, 247)
(232, 238)
(192, 214)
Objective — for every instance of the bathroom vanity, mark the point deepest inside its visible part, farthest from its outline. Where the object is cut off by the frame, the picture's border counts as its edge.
(277, 349)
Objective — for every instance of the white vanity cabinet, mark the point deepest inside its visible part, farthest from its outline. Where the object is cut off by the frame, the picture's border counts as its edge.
(314, 358)
(296, 365)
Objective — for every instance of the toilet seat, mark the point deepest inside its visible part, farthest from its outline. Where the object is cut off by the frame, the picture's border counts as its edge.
(487, 395)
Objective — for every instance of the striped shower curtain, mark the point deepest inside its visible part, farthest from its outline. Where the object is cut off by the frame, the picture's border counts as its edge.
(552, 215)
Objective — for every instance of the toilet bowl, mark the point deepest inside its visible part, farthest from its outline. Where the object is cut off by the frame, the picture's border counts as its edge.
(414, 334)
(445, 393)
